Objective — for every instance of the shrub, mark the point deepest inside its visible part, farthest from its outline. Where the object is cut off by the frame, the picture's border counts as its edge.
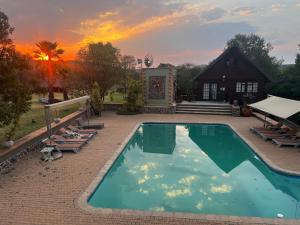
(134, 101)
(96, 100)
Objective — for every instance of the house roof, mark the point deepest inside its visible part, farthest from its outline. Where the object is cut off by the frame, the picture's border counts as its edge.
(241, 56)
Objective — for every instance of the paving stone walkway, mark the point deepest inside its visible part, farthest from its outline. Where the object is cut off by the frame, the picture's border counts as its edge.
(39, 193)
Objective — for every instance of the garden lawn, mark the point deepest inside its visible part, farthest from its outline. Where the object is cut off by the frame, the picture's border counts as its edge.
(114, 97)
(34, 118)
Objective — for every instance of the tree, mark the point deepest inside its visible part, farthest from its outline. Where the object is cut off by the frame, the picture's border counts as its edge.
(288, 86)
(128, 64)
(185, 74)
(100, 63)
(48, 52)
(96, 100)
(135, 98)
(258, 51)
(14, 94)
(63, 73)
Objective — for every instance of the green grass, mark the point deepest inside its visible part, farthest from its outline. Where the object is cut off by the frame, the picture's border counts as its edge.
(36, 113)
(115, 97)
(34, 119)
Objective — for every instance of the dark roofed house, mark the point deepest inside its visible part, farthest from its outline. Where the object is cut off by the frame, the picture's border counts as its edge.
(231, 76)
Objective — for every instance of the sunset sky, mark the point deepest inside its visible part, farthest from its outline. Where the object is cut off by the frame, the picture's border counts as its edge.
(174, 31)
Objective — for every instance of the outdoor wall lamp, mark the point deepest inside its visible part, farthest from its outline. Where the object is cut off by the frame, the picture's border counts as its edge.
(224, 77)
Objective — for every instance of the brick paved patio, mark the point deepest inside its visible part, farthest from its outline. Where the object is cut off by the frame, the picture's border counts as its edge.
(46, 193)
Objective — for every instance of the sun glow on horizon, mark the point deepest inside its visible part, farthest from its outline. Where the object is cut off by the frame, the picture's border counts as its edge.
(44, 57)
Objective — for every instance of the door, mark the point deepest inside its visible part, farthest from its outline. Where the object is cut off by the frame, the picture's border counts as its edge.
(210, 91)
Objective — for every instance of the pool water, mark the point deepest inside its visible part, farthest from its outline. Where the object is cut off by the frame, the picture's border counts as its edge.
(195, 168)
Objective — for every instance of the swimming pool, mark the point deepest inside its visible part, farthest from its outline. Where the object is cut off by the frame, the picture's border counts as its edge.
(195, 168)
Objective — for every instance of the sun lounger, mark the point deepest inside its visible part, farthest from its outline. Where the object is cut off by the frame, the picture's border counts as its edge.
(81, 131)
(74, 147)
(89, 124)
(268, 127)
(61, 139)
(269, 135)
(267, 130)
(294, 142)
(70, 134)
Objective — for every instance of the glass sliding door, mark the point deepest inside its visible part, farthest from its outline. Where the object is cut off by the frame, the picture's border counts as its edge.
(206, 91)
(213, 91)
(210, 91)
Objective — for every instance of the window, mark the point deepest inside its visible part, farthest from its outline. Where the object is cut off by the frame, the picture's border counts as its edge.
(255, 87)
(252, 87)
(249, 87)
(240, 87)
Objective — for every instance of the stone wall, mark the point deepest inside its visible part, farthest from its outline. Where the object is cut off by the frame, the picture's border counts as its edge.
(32, 142)
(159, 89)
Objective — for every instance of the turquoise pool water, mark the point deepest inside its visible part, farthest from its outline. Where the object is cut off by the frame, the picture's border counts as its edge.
(195, 168)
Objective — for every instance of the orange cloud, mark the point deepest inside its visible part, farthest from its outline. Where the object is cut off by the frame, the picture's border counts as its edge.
(107, 27)
(246, 12)
(113, 26)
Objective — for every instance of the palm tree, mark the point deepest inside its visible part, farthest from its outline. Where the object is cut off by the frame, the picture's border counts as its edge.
(48, 52)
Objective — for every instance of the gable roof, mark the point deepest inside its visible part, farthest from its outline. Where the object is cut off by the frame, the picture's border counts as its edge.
(241, 56)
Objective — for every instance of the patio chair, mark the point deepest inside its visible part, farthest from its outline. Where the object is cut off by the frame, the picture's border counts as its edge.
(291, 141)
(271, 127)
(70, 134)
(74, 147)
(61, 139)
(81, 131)
(89, 124)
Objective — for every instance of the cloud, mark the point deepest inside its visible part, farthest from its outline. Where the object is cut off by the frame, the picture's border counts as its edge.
(187, 180)
(224, 188)
(120, 25)
(178, 192)
(147, 166)
(158, 209)
(276, 7)
(174, 31)
(158, 176)
(244, 11)
(199, 205)
(214, 14)
(143, 191)
(192, 42)
(143, 179)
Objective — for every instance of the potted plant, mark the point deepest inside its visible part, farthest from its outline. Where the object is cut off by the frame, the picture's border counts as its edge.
(246, 111)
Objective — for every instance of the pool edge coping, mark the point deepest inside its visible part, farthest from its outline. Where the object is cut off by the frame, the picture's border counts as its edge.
(82, 200)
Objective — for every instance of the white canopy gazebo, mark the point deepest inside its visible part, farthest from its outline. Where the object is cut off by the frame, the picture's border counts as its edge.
(282, 108)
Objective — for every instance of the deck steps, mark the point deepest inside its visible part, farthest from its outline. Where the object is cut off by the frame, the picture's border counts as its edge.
(208, 109)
